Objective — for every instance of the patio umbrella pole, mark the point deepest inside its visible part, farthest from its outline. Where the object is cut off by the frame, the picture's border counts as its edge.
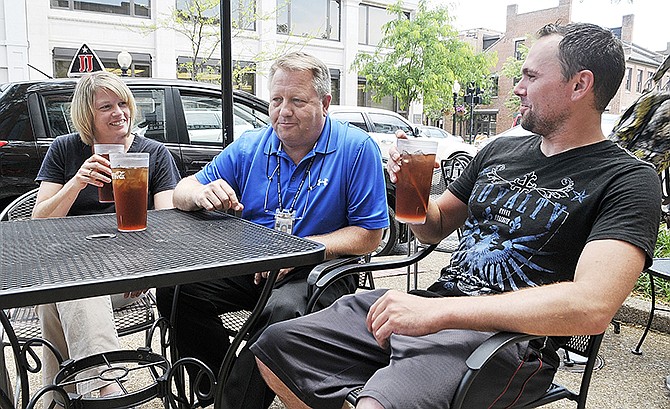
(226, 73)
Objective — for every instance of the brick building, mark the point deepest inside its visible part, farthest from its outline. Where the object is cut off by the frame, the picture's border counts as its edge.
(520, 28)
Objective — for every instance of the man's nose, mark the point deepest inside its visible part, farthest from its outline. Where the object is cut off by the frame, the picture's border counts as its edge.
(519, 89)
(285, 109)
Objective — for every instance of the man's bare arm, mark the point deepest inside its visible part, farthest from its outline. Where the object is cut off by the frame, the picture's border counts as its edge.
(191, 195)
(606, 273)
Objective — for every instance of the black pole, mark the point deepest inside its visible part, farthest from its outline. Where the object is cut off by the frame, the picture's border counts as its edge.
(472, 116)
(453, 117)
(226, 73)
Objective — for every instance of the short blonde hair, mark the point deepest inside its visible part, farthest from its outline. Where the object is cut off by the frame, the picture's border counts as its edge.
(82, 109)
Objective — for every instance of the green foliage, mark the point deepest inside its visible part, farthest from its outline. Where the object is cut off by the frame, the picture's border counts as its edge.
(642, 287)
(512, 70)
(420, 59)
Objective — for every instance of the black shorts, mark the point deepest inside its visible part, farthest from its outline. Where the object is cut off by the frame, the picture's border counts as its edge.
(321, 357)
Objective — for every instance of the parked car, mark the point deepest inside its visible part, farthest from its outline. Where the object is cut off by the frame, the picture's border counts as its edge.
(381, 124)
(439, 133)
(184, 115)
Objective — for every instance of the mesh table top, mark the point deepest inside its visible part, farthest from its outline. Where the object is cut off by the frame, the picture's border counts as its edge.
(50, 260)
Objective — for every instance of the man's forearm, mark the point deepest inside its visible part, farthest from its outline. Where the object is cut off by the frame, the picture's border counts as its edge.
(350, 240)
(184, 194)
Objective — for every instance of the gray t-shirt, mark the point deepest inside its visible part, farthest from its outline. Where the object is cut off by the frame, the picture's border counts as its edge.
(67, 153)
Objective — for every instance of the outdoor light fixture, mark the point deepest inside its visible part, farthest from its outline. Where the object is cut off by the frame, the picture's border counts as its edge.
(125, 60)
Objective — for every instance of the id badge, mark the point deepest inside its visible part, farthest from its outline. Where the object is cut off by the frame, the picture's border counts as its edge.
(284, 221)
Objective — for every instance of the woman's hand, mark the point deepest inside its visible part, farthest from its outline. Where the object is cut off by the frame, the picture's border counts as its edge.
(95, 171)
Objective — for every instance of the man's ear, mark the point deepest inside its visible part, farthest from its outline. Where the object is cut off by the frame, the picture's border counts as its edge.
(326, 103)
(583, 83)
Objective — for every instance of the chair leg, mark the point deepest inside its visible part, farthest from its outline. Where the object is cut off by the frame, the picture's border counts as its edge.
(637, 350)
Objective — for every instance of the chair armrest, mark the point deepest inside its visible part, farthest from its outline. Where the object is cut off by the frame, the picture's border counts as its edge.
(327, 266)
(324, 269)
(327, 273)
(481, 356)
(339, 272)
(489, 348)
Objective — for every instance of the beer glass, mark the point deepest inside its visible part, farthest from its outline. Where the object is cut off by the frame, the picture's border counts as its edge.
(414, 179)
(106, 192)
(130, 177)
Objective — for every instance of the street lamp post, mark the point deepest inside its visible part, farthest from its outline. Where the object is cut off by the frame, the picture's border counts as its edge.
(456, 89)
(473, 98)
(125, 60)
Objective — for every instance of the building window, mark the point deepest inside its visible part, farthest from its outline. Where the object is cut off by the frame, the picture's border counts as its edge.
(517, 49)
(244, 76)
(309, 18)
(495, 86)
(371, 21)
(629, 78)
(244, 72)
(243, 13)
(133, 8)
(141, 66)
(335, 86)
(365, 98)
(638, 87)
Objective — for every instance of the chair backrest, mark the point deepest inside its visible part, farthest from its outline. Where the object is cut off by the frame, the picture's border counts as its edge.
(454, 166)
(20, 208)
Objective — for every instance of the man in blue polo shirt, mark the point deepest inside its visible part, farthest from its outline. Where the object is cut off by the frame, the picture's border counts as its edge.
(306, 175)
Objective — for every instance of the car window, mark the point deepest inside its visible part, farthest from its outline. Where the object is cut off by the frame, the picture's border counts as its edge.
(247, 117)
(203, 119)
(354, 118)
(58, 113)
(388, 124)
(150, 117)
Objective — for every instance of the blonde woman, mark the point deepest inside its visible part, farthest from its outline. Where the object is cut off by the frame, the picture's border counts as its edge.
(102, 110)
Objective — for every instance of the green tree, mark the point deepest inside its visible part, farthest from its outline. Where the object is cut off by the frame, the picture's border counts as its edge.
(420, 59)
(512, 70)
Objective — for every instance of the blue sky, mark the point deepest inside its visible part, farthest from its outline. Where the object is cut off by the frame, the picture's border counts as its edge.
(651, 16)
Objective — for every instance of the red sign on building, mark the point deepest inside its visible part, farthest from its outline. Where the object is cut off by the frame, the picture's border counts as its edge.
(85, 61)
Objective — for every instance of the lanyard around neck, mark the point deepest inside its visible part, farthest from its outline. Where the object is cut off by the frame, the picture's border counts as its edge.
(297, 192)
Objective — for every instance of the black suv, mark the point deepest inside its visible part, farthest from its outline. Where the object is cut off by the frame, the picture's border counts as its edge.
(184, 115)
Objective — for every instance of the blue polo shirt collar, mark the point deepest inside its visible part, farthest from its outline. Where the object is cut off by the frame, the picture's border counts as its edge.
(324, 145)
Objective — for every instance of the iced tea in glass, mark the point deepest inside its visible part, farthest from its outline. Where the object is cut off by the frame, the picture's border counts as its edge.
(414, 179)
(106, 192)
(130, 177)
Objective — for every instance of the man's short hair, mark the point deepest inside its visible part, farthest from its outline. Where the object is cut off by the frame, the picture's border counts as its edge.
(299, 61)
(586, 46)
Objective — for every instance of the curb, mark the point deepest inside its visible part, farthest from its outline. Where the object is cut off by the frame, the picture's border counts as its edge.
(636, 311)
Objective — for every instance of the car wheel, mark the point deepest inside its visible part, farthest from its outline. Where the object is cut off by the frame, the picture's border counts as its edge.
(389, 236)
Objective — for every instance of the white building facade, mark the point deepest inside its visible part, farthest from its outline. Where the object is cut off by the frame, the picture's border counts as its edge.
(40, 37)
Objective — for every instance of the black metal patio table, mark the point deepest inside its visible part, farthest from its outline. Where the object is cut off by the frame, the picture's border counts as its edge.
(50, 260)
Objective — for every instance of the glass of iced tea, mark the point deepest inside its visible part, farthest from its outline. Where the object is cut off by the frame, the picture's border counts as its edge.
(130, 177)
(106, 193)
(414, 179)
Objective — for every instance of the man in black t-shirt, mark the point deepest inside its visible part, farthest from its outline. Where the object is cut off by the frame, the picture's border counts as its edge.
(558, 228)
